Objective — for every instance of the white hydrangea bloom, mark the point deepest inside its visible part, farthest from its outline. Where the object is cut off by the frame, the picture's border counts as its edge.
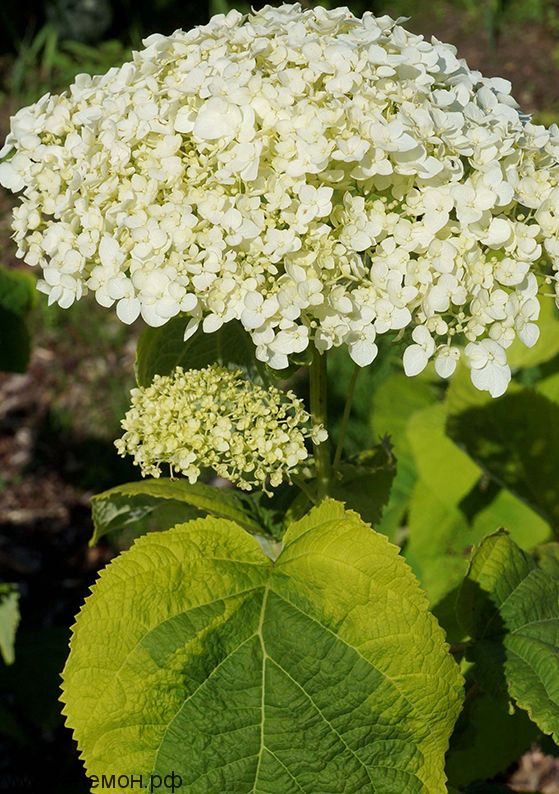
(215, 418)
(321, 178)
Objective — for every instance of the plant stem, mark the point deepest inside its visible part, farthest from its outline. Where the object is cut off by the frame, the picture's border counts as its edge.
(318, 389)
(345, 416)
(302, 485)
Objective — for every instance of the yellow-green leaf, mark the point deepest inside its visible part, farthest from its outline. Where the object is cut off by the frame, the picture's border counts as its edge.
(321, 671)
(510, 607)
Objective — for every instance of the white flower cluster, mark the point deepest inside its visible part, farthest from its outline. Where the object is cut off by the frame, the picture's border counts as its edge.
(316, 176)
(214, 418)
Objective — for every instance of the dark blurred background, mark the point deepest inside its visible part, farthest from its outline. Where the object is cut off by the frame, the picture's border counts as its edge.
(60, 415)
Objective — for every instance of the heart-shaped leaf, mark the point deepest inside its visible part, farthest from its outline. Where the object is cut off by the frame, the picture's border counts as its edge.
(319, 671)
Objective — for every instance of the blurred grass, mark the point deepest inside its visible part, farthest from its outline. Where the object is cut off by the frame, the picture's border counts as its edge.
(47, 63)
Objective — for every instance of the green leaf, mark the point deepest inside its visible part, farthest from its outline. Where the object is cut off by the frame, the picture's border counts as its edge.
(441, 536)
(516, 441)
(461, 393)
(441, 532)
(547, 557)
(525, 527)
(17, 297)
(359, 432)
(437, 545)
(510, 607)
(127, 504)
(364, 485)
(162, 349)
(440, 463)
(17, 291)
(549, 387)
(321, 671)
(127, 517)
(411, 396)
(487, 739)
(9, 620)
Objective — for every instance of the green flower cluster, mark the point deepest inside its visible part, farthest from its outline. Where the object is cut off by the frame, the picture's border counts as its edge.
(215, 418)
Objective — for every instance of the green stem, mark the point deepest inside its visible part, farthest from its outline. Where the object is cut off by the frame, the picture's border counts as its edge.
(345, 416)
(318, 389)
(302, 485)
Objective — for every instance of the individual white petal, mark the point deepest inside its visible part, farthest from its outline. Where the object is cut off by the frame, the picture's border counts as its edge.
(151, 315)
(109, 252)
(191, 328)
(363, 352)
(185, 119)
(211, 323)
(421, 335)
(277, 360)
(476, 355)
(529, 334)
(217, 118)
(128, 310)
(101, 296)
(415, 360)
(400, 318)
(188, 302)
(445, 363)
(10, 178)
(493, 378)
(66, 299)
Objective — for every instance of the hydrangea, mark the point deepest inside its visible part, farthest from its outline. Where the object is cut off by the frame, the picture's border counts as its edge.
(215, 418)
(321, 178)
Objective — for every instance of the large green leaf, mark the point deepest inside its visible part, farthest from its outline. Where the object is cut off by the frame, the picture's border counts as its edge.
(526, 527)
(396, 400)
(516, 441)
(449, 510)
(320, 671)
(128, 504)
(440, 462)
(162, 349)
(441, 536)
(438, 543)
(9, 620)
(461, 393)
(364, 484)
(547, 557)
(487, 738)
(510, 607)
(549, 387)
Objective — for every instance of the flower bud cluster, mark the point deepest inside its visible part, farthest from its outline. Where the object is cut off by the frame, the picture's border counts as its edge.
(316, 176)
(214, 418)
